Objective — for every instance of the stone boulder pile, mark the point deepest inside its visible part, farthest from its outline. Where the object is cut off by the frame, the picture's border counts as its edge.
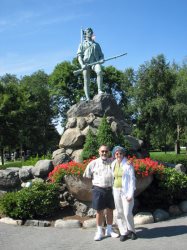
(87, 115)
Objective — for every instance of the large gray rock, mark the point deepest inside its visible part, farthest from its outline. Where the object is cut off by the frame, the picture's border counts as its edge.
(100, 105)
(180, 168)
(85, 131)
(143, 218)
(72, 137)
(183, 206)
(134, 142)
(25, 173)
(160, 215)
(37, 223)
(9, 179)
(80, 208)
(11, 221)
(142, 183)
(58, 152)
(91, 223)
(42, 168)
(174, 210)
(81, 123)
(67, 223)
(91, 212)
(79, 187)
(72, 122)
(76, 155)
(60, 156)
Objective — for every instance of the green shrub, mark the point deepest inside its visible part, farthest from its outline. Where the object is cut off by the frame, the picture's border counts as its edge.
(173, 182)
(38, 201)
(90, 147)
(8, 204)
(105, 135)
(167, 189)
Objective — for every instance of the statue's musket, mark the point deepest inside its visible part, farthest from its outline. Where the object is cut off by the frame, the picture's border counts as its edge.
(77, 72)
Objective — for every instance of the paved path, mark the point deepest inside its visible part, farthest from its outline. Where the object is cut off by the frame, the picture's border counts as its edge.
(165, 235)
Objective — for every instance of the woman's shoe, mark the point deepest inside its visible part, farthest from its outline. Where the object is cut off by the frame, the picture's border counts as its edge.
(123, 237)
(133, 236)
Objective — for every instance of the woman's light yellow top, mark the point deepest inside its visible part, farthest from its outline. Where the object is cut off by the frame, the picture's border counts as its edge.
(118, 172)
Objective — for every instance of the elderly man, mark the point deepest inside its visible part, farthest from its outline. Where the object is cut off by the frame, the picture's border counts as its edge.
(90, 52)
(99, 170)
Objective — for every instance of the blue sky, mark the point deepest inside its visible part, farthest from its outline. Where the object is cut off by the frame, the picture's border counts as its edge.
(38, 34)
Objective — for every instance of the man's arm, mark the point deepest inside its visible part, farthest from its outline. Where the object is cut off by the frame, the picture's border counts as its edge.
(80, 56)
(76, 72)
(80, 60)
(88, 173)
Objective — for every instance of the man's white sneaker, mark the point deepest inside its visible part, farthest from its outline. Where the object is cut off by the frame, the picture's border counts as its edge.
(98, 236)
(111, 234)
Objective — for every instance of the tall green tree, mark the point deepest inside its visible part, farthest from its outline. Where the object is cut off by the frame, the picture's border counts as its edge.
(113, 79)
(127, 88)
(152, 95)
(120, 85)
(10, 112)
(38, 128)
(179, 108)
(64, 87)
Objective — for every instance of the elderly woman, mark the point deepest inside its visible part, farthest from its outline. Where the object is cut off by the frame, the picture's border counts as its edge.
(123, 191)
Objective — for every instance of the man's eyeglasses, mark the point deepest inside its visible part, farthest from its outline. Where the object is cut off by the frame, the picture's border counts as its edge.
(104, 151)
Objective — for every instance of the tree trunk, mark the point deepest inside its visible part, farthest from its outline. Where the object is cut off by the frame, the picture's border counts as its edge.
(177, 147)
(2, 156)
(177, 143)
(165, 145)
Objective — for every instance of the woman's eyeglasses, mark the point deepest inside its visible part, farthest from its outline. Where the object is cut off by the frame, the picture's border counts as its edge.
(118, 153)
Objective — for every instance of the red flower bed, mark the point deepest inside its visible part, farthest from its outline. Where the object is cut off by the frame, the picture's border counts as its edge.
(146, 166)
(143, 167)
(68, 168)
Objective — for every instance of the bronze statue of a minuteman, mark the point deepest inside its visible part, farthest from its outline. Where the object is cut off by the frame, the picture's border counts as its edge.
(90, 52)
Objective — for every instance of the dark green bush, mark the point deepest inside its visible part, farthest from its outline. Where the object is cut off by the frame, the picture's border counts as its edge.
(174, 183)
(90, 147)
(38, 201)
(167, 189)
(105, 135)
(8, 203)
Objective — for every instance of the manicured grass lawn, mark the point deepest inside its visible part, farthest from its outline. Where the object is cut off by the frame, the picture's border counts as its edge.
(154, 154)
(30, 162)
(170, 157)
